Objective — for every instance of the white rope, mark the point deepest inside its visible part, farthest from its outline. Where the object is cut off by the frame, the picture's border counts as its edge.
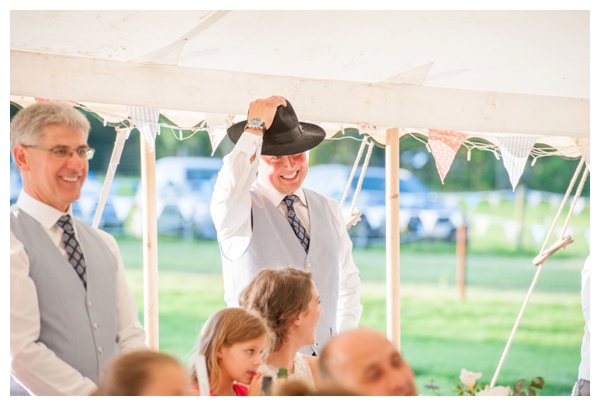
(576, 197)
(562, 204)
(122, 136)
(362, 176)
(356, 161)
(546, 254)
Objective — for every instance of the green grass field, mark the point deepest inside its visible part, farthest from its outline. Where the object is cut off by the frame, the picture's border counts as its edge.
(440, 334)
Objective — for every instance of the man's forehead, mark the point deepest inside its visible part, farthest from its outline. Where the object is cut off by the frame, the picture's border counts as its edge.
(368, 351)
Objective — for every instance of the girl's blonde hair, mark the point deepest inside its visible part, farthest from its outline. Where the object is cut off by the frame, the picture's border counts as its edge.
(224, 328)
(278, 295)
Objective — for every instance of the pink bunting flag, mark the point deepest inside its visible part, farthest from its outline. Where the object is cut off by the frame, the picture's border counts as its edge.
(444, 146)
(515, 151)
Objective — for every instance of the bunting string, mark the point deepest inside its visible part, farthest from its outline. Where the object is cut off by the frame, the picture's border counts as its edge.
(442, 144)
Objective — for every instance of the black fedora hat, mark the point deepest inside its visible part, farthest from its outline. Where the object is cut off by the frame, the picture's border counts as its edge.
(286, 136)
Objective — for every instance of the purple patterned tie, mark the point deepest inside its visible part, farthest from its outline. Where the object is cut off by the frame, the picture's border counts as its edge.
(295, 222)
(72, 247)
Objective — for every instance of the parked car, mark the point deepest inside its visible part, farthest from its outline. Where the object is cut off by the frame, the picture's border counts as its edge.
(423, 214)
(184, 187)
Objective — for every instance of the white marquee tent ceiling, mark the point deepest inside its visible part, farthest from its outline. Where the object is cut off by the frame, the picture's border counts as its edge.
(497, 72)
(488, 74)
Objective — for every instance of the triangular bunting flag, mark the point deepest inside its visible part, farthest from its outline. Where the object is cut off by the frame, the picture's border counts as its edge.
(444, 146)
(511, 229)
(145, 119)
(217, 128)
(515, 151)
(579, 206)
(534, 198)
(473, 199)
(494, 198)
(429, 219)
(555, 201)
(482, 224)
(538, 231)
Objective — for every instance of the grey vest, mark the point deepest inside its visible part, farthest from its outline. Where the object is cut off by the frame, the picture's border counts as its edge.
(80, 326)
(266, 251)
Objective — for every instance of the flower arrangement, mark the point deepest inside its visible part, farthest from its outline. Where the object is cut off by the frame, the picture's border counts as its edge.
(469, 386)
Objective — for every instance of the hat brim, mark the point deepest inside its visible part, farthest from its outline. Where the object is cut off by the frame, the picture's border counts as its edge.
(312, 135)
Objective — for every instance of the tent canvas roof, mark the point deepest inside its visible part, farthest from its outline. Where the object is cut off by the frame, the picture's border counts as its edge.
(517, 72)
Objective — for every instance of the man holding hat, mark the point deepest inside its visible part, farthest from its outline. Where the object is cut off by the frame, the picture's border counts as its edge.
(265, 219)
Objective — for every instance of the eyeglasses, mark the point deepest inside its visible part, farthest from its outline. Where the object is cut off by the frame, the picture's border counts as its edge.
(66, 153)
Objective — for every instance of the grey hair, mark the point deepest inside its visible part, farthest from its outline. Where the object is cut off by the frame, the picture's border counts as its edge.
(27, 126)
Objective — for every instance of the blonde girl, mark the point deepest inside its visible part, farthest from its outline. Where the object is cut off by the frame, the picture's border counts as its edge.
(234, 342)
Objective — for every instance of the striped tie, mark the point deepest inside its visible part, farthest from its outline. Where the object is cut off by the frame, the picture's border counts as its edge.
(73, 248)
(295, 222)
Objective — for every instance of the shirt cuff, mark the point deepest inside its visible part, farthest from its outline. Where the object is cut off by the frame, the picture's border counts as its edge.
(249, 143)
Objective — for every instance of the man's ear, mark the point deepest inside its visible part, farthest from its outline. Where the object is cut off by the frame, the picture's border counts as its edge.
(20, 157)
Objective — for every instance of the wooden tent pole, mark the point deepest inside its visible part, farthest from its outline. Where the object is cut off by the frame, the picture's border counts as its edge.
(150, 246)
(461, 261)
(392, 193)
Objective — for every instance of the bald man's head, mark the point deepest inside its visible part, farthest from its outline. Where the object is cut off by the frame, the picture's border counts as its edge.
(364, 361)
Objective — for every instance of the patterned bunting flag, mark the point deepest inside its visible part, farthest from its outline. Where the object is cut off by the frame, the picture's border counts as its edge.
(515, 151)
(444, 146)
(145, 119)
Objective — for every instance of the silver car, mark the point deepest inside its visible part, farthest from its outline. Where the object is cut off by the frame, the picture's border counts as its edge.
(423, 214)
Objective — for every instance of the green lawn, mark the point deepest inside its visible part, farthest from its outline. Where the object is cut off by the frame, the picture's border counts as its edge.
(440, 334)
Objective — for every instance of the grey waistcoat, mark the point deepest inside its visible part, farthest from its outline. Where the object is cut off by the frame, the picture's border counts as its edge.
(274, 245)
(79, 326)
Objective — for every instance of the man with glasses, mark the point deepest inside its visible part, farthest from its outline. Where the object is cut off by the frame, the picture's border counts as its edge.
(71, 311)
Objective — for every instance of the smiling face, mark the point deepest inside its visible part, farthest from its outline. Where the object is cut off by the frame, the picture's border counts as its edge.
(284, 173)
(52, 181)
(240, 361)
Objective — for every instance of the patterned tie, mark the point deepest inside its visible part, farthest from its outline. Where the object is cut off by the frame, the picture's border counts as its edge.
(295, 222)
(74, 251)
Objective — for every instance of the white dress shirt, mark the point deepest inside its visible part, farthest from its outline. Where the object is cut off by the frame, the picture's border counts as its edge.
(50, 374)
(231, 211)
